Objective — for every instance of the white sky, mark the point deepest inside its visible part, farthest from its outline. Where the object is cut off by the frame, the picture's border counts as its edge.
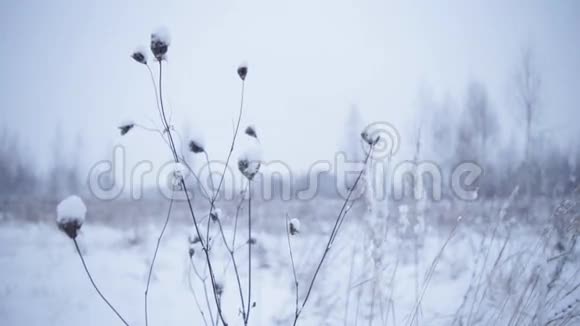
(66, 63)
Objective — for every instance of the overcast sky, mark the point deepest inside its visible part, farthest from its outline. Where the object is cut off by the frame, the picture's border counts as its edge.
(66, 64)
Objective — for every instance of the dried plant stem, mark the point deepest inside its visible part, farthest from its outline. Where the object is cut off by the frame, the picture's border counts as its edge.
(190, 206)
(429, 274)
(154, 257)
(337, 224)
(296, 294)
(202, 313)
(249, 307)
(231, 146)
(202, 279)
(95, 285)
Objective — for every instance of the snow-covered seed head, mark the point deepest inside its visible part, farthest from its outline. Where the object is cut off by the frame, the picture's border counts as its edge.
(126, 126)
(248, 168)
(178, 171)
(70, 215)
(196, 147)
(251, 131)
(160, 41)
(250, 159)
(368, 139)
(243, 71)
(216, 214)
(140, 55)
(294, 226)
(219, 289)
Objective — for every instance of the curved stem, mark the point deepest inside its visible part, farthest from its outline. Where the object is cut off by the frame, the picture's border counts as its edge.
(154, 257)
(95, 285)
(333, 233)
(293, 266)
(189, 205)
(231, 147)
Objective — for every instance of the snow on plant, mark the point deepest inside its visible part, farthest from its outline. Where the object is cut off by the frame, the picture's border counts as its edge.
(250, 160)
(243, 71)
(196, 146)
(140, 55)
(251, 131)
(216, 215)
(70, 216)
(294, 226)
(160, 41)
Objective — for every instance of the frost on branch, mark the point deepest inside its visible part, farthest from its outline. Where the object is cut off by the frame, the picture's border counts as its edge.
(160, 41)
(70, 215)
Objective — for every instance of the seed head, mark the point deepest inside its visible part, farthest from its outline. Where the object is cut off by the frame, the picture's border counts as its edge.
(369, 139)
(160, 41)
(196, 147)
(251, 131)
(248, 168)
(294, 226)
(219, 289)
(216, 214)
(243, 71)
(125, 127)
(70, 215)
(140, 55)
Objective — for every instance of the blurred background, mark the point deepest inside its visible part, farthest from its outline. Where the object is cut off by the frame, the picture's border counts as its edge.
(491, 82)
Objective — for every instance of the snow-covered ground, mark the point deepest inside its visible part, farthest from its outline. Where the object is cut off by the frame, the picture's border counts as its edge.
(42, 281)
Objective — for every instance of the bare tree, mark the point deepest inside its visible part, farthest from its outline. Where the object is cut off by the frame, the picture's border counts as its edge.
(478, 123)
(528, 83)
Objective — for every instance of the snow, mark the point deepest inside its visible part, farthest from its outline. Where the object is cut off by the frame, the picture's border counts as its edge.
(71, 209)
(178, 170)
(161, 34)
(40, 269)
(140, 55)
(294, 226)
(216, 214)
(250, 159)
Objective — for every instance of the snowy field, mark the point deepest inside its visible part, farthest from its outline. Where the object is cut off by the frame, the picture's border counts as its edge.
(497, 273)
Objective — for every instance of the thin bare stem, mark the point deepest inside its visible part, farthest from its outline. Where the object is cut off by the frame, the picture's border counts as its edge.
(231, 147)
(95, 285)
(202, 313)
(154, 257)
(156, 94)
(249, 306)
(333, 233)
(189, 204)
(431, 270)
(293, 267)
